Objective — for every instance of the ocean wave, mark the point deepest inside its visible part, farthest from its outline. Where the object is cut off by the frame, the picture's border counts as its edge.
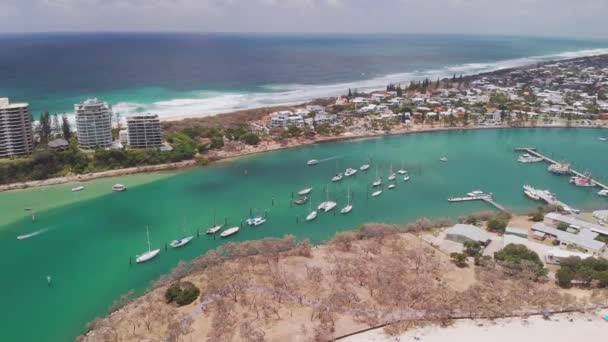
(210, 103)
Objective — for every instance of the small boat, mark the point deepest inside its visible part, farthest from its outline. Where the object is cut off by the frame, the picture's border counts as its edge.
(392, 176)
(402, 170)
(312, 162)
(78, 188)
(560, 168)
(119, 188)
(301, 200)
(337, 177)
(443, 159)
(603, 193)
(30, 235)
(378, 180)
(305, 191)
(406, 178)
(364, 167)
(229, 231)
(585, 181)
(149, 254)
(214, 229)
(377, 193)
(392, 186)
(475, 193)
(329, 206)
(531, 195)
(349, 172)
(313, 213)
(603, 139)
(256, 221)
(181, 242)
(527, 158)
(349, 206)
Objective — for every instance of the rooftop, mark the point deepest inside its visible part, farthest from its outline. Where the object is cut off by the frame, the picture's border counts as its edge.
(585, 239)
(469, 231)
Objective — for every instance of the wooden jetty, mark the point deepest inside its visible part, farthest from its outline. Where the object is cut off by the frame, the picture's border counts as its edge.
(488, 198)
(533, 151)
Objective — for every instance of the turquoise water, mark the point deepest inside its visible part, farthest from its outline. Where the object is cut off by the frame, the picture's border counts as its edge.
(88, 244)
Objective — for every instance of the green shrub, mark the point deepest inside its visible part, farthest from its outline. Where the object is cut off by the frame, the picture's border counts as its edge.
(250, 138)
(518, 258)
(459, 259)
(564, 277)
(182, 293)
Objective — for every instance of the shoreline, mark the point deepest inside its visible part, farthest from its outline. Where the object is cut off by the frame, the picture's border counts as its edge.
(263, 147)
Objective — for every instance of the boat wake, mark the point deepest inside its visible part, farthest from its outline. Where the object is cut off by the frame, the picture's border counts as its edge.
(31, 235)
(213, 102)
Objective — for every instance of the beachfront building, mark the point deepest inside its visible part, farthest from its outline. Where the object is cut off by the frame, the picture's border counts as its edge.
(555, 255)
(285, 119)
(575, 223)
(143, 131)
(584, 241)
(94, 124)
(465, 232)
(16, 138)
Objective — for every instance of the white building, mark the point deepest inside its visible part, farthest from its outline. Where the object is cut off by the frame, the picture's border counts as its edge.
(466, 232)
(94, 124)
(144, 131)
(555, 255)
(16, 137)
(285, 119)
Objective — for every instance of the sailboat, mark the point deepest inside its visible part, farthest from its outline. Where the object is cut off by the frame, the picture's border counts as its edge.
(150, 253)
(229, 231)
(349, 207)
(215, 228)
(327, 205)
(313, 213)
(377, 192)
(338, 177)
(378, 180)
(181, 242)
(392, 176)
(402, 170)
(304, 192)
(255, 221)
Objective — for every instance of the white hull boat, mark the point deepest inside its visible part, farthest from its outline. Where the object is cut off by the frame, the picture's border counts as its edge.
(329, 206)
(603, 139)
(531, 195)
(603, 193)
(402, 172)
(311, 216)
(181, 242)
(349, 172)
(337, 178)
(301, 200)
(377, 193)
(119, 188)
(364, 167)
(527, 158)
(391, 186)
(214, 229)
(312, 162)
(406, 178)
(256, 221)
(443, 159)
(147, 256)
(346, 209)
(78, 188)
(377, 183)
(229, 231)
(392, 177)
(304, 192)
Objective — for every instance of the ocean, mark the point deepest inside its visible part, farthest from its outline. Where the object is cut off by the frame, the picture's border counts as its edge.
(176, 75)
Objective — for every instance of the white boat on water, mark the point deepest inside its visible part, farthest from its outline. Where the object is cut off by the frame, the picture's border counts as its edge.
(78, 188)
(585, 181)
(377, 193)
(119, 187)
(364, 167)
(304, 192)
(256, 221)
(313, 213)
(527, 158)
(301, 200)
(229, 231)
(475, 193)
(603, 139)
(327, 205)
(378, 180)
(30, 235)
(149, 254)
(214, 229)
(603, 193)
(312, 162)
(532, 195)
(443, 159)
(406, 178)
(559, 168)
(181, 242)
(349, 172)
(392, 186)
(402, 170)
(391, 175)
(337, 177)
(349, 206)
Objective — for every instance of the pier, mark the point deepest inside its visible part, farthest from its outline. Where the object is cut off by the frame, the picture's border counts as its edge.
(479, 196)
(534, 152)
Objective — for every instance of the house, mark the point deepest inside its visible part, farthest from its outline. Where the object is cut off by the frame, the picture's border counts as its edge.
(555, 255)
(58, 145)
(583, 241)
(465, 232)
(285, 119)
(555, 218)
(378, 97)
(324, 117)
(522, 233)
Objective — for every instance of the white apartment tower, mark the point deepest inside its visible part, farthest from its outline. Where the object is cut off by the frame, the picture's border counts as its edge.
(16, 137)
(144, 131)
(94, 124)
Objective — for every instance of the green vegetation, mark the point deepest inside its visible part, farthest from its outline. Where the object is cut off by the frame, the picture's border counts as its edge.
(584, 272)
(563, 226)
(499, 223)
(182, 293)
(472, 248)
(459, 259)
(519, 260)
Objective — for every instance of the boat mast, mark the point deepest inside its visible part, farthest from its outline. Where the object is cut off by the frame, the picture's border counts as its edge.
(148, 236)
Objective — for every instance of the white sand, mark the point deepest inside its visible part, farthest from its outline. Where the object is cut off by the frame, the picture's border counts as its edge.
(587, 327)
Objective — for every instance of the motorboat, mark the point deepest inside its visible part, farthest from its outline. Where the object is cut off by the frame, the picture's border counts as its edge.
(311, 216)
(301, 200)
(256, 221)
(443, 159)
(214, 229)
(585, 181)
(603, 139)
(476, 193)
(312, 162)
(181, 242)
(78, 188)
(527, 158)
(559, 168)
(402, 172)
(229, 231)
(532, 195)
(30, 235)
(377, 193)
(149, 254)
(406, 178)
(603, 193)
(364, 167)
(392, 186)
(337, 177)
(305, 191)
(349, 172)
(377, 182)
(119, 187)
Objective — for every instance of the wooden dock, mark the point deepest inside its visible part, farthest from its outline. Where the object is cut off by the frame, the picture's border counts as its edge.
(534, 152)
(488, 198)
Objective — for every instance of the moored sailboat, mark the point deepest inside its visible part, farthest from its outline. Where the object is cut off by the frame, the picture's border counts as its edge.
(150, 253)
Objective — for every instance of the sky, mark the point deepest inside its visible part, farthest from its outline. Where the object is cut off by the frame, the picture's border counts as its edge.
(559, 18)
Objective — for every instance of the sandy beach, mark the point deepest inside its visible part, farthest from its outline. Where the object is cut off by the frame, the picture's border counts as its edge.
(560, 328)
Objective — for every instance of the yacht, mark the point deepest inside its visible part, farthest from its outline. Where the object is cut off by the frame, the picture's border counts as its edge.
(149, 254)
(392, 186)
(337, 177)
(531, 195)
(392, 176)
(603, 139)
(559, 168)
(377, 193)
(603, 193)
(181, 242)
(443, 159)
(378, 180)
(78, 188)
(119, 188)
(402, 170)
(406, 178)
(349, 172)
(364, 167)
(585, 181)
(312, 162)
(256, 221)
(312, 215)
(229, 231)
(214, 229)
(301, 200)
(327, 205)
(305, 191)
(349, 206)
(527, 158)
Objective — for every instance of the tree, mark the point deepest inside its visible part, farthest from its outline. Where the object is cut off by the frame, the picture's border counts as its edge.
(65, 128)
(55, 126)
(44, 127)
(250, 138)
(563, 226)
(472, 248)
(564, 277)
(350, 93)
(459, 259)
(518, 258)
(499, 223)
